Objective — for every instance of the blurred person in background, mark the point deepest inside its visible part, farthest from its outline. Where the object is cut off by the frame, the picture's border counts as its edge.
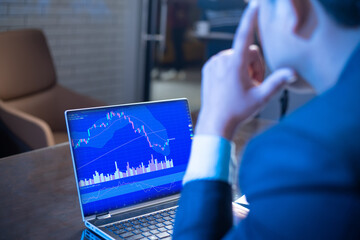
(178, 18)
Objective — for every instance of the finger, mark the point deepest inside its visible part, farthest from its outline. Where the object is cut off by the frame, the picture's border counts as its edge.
(237, 212)
(240, 215)
(239, 209)
(256, 64)
(274, 83)
(245, 32)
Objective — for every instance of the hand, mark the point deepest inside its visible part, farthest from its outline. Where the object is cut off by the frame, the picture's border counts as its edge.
(239, 213)
(232, 82)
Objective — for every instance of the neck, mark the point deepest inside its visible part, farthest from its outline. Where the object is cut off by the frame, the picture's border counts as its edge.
(332, 46)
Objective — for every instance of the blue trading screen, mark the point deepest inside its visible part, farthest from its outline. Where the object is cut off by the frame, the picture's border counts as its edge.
(129, 154)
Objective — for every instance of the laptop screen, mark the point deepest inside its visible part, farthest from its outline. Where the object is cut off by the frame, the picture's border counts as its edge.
(124, 155)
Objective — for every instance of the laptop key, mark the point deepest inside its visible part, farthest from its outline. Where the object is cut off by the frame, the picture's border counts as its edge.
(144, 229)
(136, 231)
(135, 237)
(153, 237)
(127, 224)
(146, 234)
(167, 223)
(127, 234)
(137, 226)
(129, 229)
(120, 226)
(163, 235)
(162, 229)
(133, 223)
(151, 227)
(145, 224)
(160, 220)
(169, 227)
(118, 232)
(160, 225)
(154, 231)
(112, 228)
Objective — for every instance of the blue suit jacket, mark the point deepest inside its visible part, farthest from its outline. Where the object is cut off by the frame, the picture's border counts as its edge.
(302, 177)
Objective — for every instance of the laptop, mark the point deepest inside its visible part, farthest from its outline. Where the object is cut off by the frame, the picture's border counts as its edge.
(129, 162)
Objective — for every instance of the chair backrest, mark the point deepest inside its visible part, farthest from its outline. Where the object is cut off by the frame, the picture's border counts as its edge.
(26, 65)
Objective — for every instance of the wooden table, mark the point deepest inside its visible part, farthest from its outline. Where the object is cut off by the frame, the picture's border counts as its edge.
(38, 196)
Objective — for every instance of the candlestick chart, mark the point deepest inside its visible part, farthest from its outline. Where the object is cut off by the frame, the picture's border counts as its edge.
(99, 133)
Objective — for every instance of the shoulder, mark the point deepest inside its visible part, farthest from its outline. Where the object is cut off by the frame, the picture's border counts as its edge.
(328, 122)
(315, 145)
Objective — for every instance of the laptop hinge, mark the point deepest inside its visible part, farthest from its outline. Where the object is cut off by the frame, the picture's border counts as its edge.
(103, 216)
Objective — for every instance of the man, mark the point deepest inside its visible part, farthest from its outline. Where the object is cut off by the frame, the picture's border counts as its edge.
(302, 177)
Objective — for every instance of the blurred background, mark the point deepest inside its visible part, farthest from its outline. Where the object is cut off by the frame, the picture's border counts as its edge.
(122, 51)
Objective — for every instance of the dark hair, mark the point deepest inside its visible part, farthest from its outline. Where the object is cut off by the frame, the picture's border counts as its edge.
(344, 12)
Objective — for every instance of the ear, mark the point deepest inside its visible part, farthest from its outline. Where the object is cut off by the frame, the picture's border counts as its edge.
(305, 18)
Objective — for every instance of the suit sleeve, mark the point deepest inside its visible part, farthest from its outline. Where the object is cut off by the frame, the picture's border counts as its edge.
(205, 210)
(295, 192)
(299, 186)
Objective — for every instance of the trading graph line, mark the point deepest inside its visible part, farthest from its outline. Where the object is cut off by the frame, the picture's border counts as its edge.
(105, 192)
(107, 127)
(145, 125)
(121, 116)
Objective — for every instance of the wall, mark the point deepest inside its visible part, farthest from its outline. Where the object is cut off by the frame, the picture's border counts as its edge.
(93, 42)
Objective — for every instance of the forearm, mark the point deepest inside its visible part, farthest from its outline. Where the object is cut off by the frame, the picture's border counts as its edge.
(230, 95)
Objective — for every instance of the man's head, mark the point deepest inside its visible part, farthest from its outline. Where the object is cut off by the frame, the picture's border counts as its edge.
(294, 31)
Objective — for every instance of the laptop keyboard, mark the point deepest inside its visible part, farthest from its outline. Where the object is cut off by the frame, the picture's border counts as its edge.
(158, 225)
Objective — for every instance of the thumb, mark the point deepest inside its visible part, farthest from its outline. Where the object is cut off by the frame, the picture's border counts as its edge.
(274, 83)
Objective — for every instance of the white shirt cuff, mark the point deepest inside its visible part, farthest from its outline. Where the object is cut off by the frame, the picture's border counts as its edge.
(210, 159)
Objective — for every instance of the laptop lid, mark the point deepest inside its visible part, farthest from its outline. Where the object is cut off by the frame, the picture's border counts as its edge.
(128, 154)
